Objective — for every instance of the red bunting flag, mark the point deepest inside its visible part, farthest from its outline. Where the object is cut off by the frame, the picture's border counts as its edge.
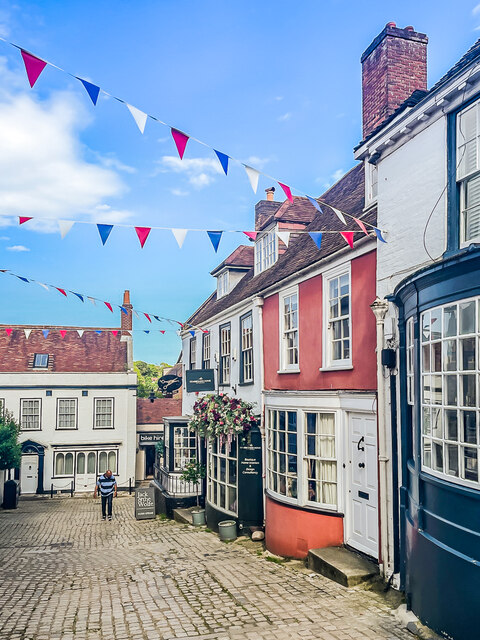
(108, 305)
(162, 331)
(181, 140)
(147, 317)
(251, 234)
(8, 331)
(142, 233)
(62, 291)
(33, 66)
(115, 333)
(361, 225)
(287, 190)
(22, 219)
(63, 333)
(348, 237)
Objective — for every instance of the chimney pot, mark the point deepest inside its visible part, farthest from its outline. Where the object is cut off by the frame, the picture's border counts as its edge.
(409, 28)
(391, 24)
(270, 193)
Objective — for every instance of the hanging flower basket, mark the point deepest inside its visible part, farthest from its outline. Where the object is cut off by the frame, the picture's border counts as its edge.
(218, 416)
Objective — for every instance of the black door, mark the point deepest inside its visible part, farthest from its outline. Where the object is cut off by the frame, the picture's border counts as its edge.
(149, 460)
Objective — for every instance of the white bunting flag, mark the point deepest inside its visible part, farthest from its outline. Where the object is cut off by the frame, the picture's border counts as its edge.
(180, 235)
(92, 300)
(80, 332)
(339, 215)
(65, 226)
(252, 176)
(136, 314)
(284, 237)
(43, 285)
(139, 117)
(27, 333)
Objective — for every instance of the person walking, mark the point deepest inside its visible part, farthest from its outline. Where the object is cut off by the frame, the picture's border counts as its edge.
(107, 488)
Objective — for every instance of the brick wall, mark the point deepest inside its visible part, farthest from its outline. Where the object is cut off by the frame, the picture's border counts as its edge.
(90, 353)
(154, 412)
(393, 67)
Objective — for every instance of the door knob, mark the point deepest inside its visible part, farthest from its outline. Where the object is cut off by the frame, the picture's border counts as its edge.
(361, 465)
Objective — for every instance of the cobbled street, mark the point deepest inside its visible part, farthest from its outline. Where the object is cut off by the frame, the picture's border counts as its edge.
(66, 574)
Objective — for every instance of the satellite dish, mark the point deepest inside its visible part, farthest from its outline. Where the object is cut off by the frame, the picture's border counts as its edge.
(169, 383)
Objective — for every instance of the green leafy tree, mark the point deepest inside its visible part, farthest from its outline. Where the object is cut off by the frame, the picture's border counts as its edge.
(10, 449)
(193, 472)
(147, 377)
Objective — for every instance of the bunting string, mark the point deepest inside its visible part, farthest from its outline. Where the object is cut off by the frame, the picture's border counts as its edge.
(64, 331)
(109, 305)
(34, 67)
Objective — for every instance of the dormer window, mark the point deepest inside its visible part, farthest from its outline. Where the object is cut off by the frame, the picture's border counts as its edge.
(222, 284)
(266, 251)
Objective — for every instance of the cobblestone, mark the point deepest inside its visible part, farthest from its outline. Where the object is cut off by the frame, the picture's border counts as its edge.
(67, 575)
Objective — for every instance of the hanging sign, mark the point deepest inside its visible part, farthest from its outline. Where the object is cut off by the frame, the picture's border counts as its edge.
(200, 380)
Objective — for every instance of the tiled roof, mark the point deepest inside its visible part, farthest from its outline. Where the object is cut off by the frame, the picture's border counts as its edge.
(348, 195)
(418, 96)
(241, 257)
(154, 412)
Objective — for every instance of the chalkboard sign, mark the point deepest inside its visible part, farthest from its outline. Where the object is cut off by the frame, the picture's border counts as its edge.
(250, 495)
(145, 503)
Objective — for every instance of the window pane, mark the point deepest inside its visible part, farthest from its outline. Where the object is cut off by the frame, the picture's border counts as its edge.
(112, 461)
(470, 457)
(451, 463)
(69, 464)
(467, 347)
(102, 462)
(450, 321)
(60, 464)
(81, 463)
(91, 462)
(469, 427)
(467, 317)
(451, 426)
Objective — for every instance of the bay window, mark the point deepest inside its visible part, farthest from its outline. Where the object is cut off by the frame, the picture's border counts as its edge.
(222, 475)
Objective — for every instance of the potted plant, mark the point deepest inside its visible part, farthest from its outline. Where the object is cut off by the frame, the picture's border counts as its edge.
(194, 472)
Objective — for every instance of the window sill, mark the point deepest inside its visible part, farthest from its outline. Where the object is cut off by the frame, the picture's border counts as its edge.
(288, 371)
(343, 367)
(246, 384)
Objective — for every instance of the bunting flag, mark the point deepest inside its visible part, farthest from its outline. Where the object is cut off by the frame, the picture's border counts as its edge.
(142, 233)
(362, 226)
(338, 213)
(348, 237)
(21, 278)
(104, 230)
(136, 314)
(33, 66)
(284, 236)
(40, 284)
(146, 331)
(62, 291)
(123, 310)
(91, 89)
(181, 140)
(79, 296)
(223, 159)
(379, 235)
(215, 237)
(45, 332)
(252, 176)
(192, 333)
(316, 236)
(63, 333)
(27, 333)
(180, 235)
(99, 331)
(251, 234)
(92, 300)
(287, 190)
(147, 317)
(80, 332)
(23, 219)
(315, 203)
(65, 226)
(115, 333)
(108, 305)
(8, 332)
(162, 331)
(139, 116)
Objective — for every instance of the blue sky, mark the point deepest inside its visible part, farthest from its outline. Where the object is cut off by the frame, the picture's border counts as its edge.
(273, 83)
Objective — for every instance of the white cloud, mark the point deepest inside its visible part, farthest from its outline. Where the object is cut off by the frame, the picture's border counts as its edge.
(476, 10)
(335, 177)
(200, 172)
(179, 192)
(256, 162)
(284, 117)
(18, 247)
(4, 238)
(278, 98)
(110, 161)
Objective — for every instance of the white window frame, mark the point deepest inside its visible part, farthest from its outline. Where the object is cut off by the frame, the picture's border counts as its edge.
(38, 402)
(246, 350)
(2, 405)
(59, 413)
(266, 250)
(206, 350)
(225, 358)
(440, 383)
(371, 183)
(213, 479)
(284, 366)
(327, 357)
(223, 284)
(96, 414)
(463, 176)
(184, 442)
(193, 353)
(41, 356)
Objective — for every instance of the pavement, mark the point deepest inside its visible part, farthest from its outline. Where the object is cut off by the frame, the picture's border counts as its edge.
(65, 574)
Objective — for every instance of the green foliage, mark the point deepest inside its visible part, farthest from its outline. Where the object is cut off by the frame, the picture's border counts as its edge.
(147, 376)
(217, 415)
(193, 472)
(10, 449)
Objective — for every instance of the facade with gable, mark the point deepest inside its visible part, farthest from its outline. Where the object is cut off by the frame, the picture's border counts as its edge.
(421, 151)
(74, 396)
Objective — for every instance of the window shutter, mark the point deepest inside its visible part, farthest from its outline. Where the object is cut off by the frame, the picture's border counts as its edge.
(467, 141)
(472, 209)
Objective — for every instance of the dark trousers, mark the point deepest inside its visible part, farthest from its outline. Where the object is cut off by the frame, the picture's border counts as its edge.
(107, 500)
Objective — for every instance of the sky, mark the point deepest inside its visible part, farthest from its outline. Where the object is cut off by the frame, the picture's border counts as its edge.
(274, 83)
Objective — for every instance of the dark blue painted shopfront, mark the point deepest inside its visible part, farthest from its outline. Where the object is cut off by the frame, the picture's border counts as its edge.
(439, 518)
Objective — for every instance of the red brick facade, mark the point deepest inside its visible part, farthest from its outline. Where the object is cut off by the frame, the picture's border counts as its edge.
(393, 67)
(154, 412)
(92, 352)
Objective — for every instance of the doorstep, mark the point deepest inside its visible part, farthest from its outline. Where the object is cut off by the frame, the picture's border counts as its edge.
(341, 565)
(183, 515)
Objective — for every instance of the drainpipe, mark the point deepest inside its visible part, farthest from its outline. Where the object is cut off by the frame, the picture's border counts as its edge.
(258, 304)
(380, 308)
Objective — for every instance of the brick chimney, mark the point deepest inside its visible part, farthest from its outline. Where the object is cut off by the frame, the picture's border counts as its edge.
(270, 194)
(126, 319)
(393, 67)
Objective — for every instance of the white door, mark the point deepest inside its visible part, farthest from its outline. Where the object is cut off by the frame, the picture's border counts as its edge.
(361, 522)
(29, 473)
(85, 471)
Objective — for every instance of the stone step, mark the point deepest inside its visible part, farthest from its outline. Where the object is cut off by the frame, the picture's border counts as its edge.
(341, 565)
(182, 515)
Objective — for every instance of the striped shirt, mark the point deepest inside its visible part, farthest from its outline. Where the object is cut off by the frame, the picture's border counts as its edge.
(106, 485)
